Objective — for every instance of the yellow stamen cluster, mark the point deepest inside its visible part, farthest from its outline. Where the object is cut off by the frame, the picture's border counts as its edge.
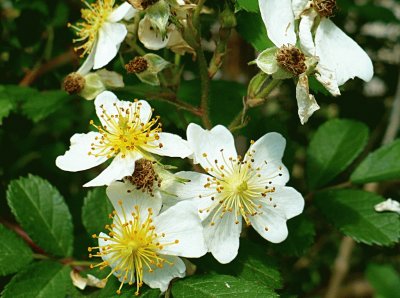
(132, 245)
(125, 132)
(237, 186)
(93, 17)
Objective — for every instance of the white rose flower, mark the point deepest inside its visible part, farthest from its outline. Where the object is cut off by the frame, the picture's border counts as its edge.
(143, 245)
(101, 32)
(338, 57)
(126, 133)
(235, 189)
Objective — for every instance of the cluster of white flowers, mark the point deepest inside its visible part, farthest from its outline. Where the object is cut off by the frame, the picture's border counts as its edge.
(160, 216)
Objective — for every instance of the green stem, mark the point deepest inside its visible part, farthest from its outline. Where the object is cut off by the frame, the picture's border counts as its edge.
(267, 90)
(40, 257)
(197, 11)
(205, 86)
(80, 263)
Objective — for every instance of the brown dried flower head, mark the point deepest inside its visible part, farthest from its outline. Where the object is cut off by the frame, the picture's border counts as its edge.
(144, 177)
(74, 83)
(142, 4)
(325, 8)
(291, 59)
(137, 65)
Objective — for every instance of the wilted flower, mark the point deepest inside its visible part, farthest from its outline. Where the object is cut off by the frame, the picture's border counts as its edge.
(147, 68)
(334, 57)
(235, 189)
(101, 32)
(126, 133)
(143, 245)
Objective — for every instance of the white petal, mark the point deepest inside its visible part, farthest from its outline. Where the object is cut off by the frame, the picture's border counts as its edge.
(306, 102)
(299, 6)
(131, 197)
(279, 20)
(270, 224)
(286, 201)
(87, 66)
(110, 37)
(77, 157)
(172, 145)
(161, 277)
(107, 99)
(222, 238)
(150, 37)
(340, 53)
(270, 147)
(193, 190)
(217, 143)
(118, 169)
(181, 223)
(328, 79)
(305, 35)
(121, 12)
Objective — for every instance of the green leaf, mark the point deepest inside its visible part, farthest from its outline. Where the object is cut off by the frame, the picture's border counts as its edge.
(352, 212)
(248, 5)
(384, 279)
(383, 164)
(333, 148)
(41, 279)
(42, 213)
(252, 264)
(208, 286)
(14, 253)
(252, 29)
(43, 104)
(301, 237)
(6, 104)
(96, 207)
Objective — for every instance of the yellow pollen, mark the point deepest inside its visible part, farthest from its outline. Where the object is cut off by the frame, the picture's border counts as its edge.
(124, 132)
(94, 16)
(132, 248)
(239, 186)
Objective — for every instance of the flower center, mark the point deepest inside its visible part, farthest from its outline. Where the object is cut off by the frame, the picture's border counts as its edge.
(144, 177)
(325, 8)
(137, 65)
(74, 83)
(291, 59)
(237, 186)
(131, 247)
(125, 132)
(93, 17)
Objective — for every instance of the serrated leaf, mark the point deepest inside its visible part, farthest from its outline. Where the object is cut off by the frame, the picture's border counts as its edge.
(208, 286)
(40, 280)
(42, 213)
(43, 104)
(384, 279)
(352, 212)
(333, 148)
(301, 237)
(248, 5)
(14, 253)
(252, 29)
(252, 264)
(383, 164)
(96, 207)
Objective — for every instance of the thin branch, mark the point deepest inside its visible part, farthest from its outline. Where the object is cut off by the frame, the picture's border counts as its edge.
(52, 64)
(394, 121)
(341, 267)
